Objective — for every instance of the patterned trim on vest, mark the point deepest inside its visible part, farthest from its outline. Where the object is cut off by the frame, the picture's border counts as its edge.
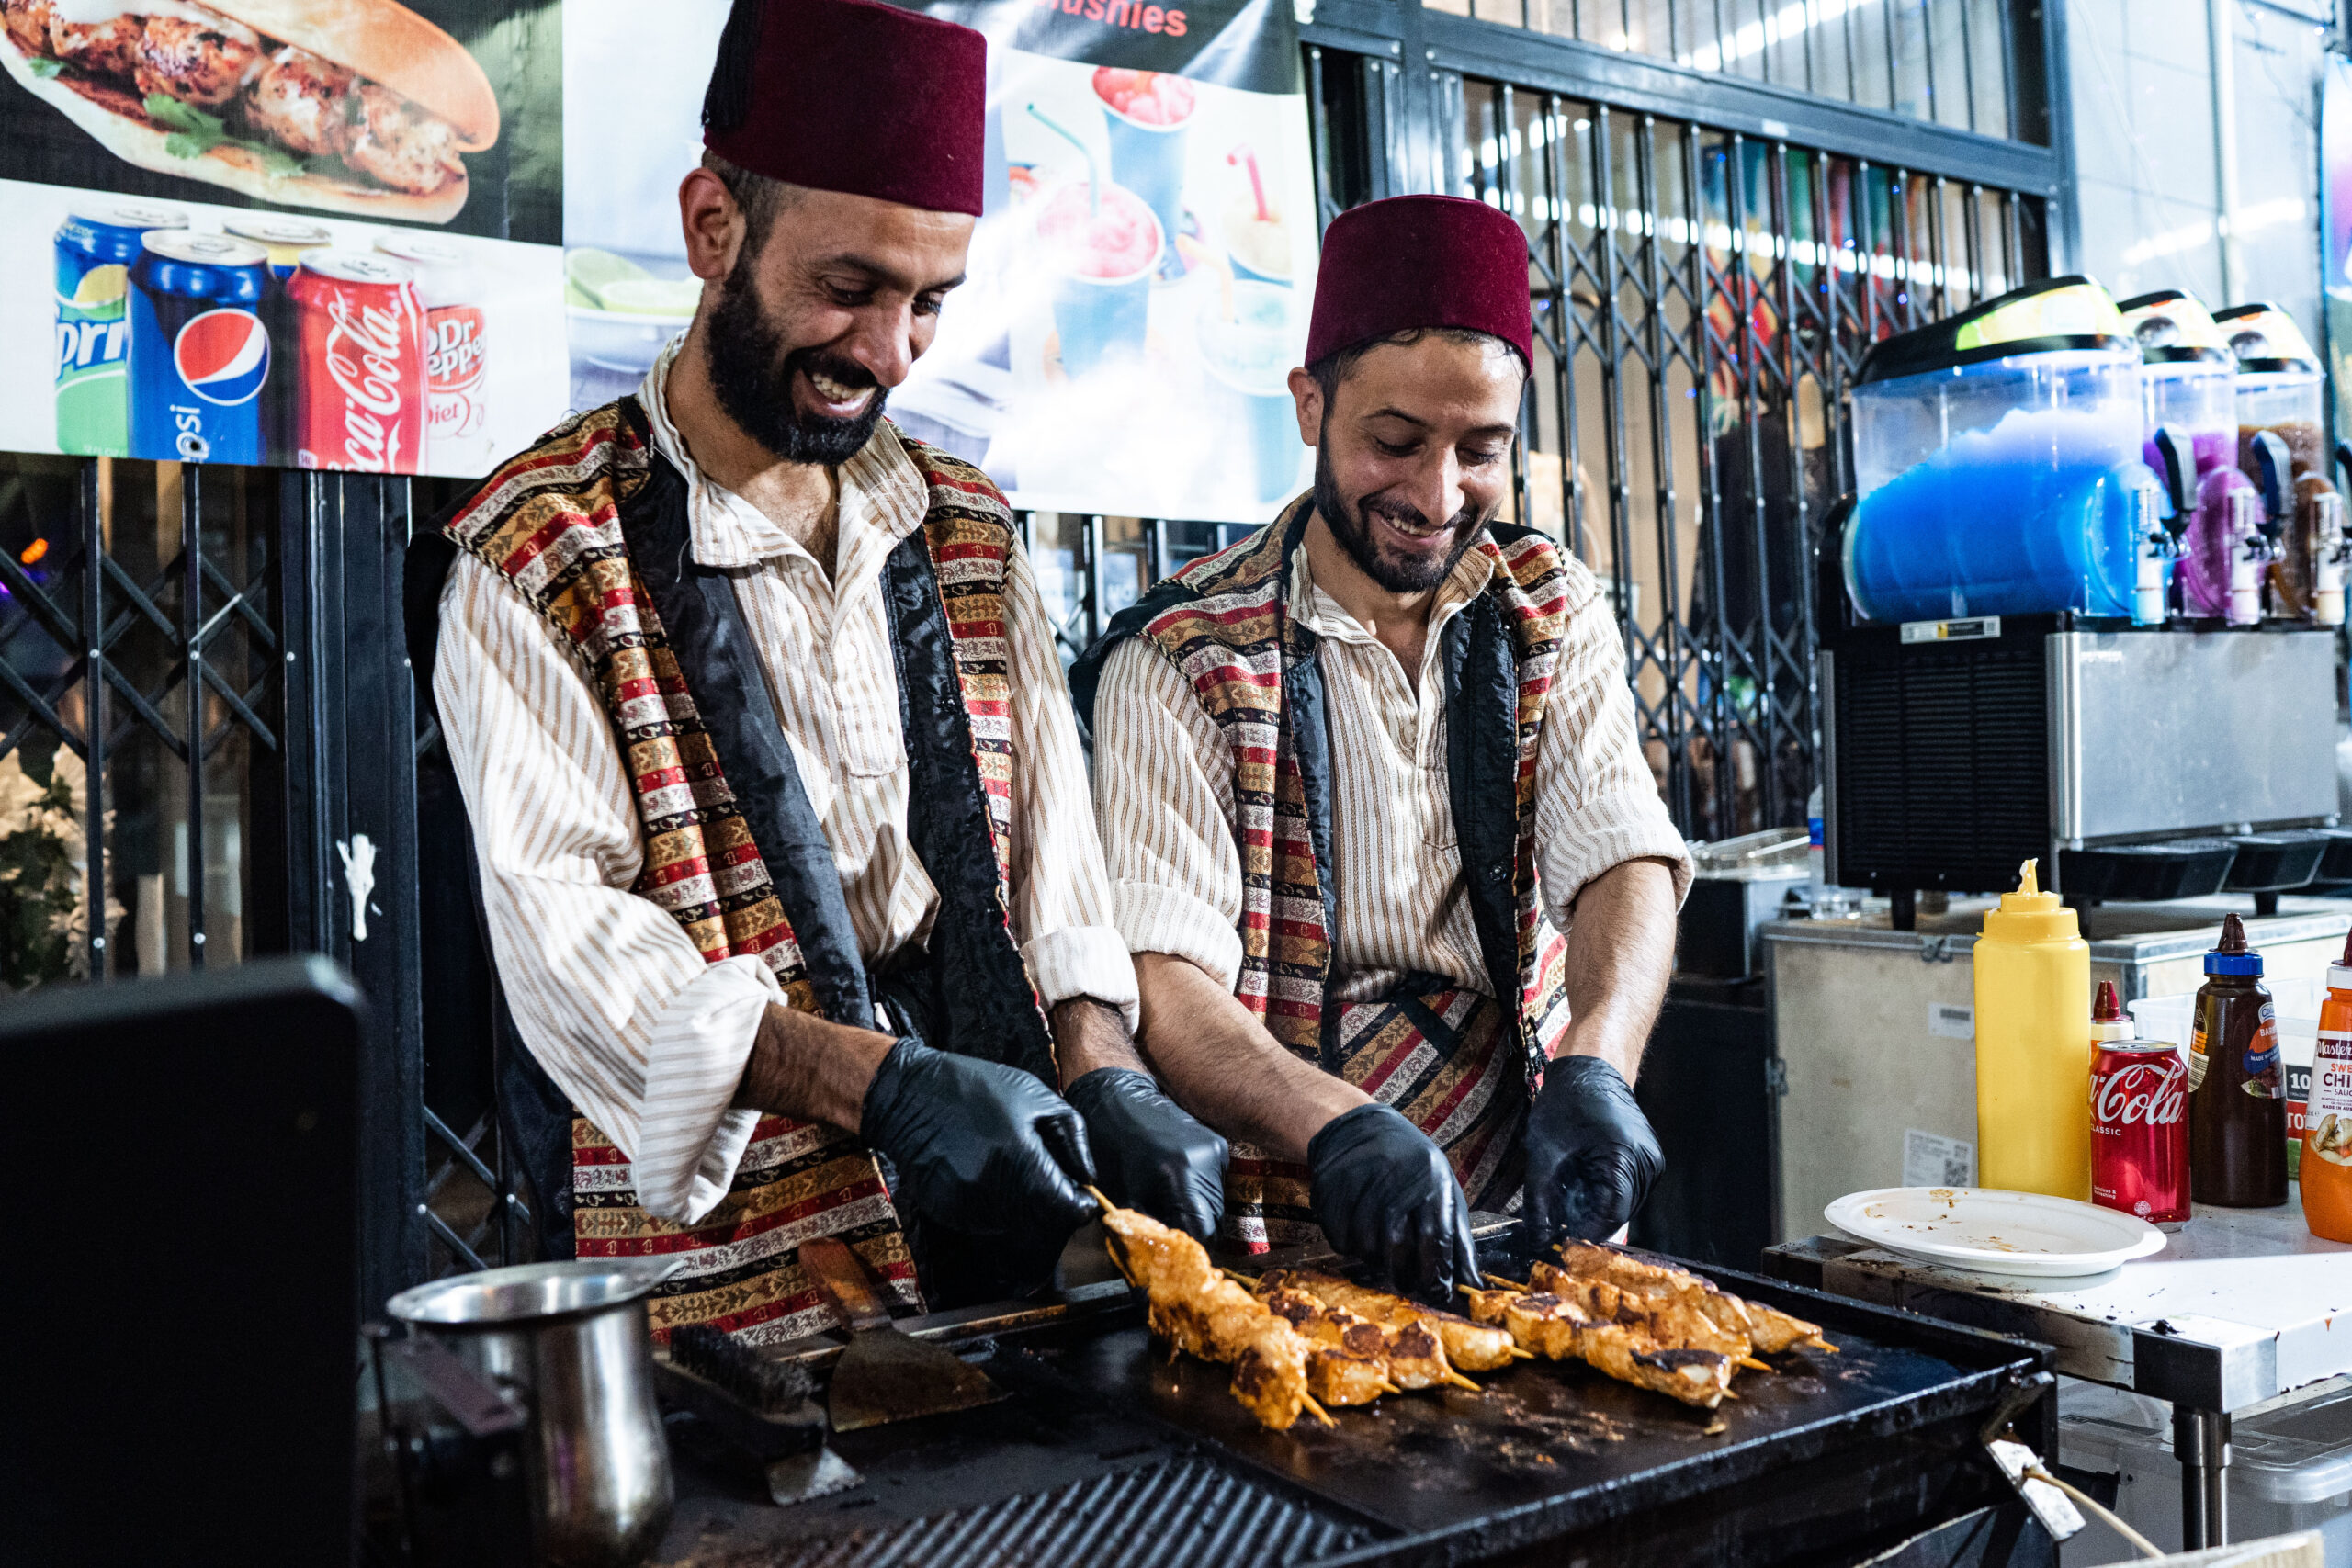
(549, 523)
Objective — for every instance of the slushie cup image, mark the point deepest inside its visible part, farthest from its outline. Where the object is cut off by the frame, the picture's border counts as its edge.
(1250, 358)
(1148, 113)
(1105, 258)
(1260, 246)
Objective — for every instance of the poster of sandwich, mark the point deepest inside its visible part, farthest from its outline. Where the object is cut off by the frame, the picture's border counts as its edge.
(313, 233)
(1138, 285)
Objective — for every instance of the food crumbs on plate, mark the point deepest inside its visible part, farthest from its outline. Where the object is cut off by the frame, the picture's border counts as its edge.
(1716, 1427)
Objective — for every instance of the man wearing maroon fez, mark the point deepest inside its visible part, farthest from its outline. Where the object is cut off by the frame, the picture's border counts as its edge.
(1399, 886)
(786, 856)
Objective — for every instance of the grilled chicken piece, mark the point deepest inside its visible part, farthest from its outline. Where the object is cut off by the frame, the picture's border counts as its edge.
(1660, 1319)
(1559, 1329)
(402, 145)
(1200, 1310)
(1347, 1359)
(103, 49)
(1768, 1329)
(304, 102)
(1467, 1345)
(205, 64)
(28, 22)
(1417, 1359)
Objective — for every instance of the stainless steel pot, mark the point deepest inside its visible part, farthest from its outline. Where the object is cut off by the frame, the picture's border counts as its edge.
(566, 1344)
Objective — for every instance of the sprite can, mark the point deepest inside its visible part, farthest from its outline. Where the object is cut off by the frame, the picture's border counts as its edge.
(95, 245)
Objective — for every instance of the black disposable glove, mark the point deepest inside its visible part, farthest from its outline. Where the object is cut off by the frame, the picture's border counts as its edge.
(1591, 1153)
(982, 1150)
(1155, 1157)
(1383, 1193)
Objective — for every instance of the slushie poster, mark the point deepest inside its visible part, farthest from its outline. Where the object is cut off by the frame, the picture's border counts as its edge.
(1138, 284)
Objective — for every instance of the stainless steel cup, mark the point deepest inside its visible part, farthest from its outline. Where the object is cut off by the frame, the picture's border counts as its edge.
(566, 1344)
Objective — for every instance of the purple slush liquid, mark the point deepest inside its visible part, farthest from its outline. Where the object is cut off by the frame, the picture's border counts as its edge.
(2204, 573)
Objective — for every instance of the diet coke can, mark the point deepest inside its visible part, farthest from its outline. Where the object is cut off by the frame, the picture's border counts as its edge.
(2139, 1130)
(359, 332)
(456, 348)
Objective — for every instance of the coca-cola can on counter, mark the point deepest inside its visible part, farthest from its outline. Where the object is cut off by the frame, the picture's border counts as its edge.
(2139, 1130)
(359, 335)
(456, 342)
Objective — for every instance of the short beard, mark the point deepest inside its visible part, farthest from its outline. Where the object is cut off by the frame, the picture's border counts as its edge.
(751, 376)
(1408, 574)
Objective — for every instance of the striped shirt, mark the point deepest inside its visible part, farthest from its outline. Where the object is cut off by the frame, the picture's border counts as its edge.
(606, 988)
(1163, 779)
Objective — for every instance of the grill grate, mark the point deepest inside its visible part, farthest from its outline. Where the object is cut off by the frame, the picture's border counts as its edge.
(1186, 1511)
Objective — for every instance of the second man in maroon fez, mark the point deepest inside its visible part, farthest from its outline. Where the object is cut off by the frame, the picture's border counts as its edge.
(1420, 261)
(859, 96)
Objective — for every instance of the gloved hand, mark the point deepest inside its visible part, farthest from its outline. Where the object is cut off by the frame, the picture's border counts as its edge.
(984, 1150)
(1591, 1153)
(1155, 1157)
(1382, 1193)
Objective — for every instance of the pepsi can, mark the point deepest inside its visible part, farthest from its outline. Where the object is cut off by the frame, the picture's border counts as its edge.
(95, 245)
(199, 350)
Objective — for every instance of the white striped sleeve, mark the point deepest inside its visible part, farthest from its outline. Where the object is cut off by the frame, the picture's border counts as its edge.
(1163, 793)
(1597, 805)
(607, 991)
(1061, 894)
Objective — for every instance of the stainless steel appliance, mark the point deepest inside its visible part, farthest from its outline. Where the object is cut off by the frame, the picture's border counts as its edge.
(2136, 763)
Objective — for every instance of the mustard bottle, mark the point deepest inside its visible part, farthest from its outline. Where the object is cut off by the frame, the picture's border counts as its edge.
(2033, 1046)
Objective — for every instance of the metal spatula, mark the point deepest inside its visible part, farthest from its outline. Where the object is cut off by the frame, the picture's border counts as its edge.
(884, 1375)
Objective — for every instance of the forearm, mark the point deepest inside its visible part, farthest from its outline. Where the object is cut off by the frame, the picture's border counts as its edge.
(1620, 956)
(1090, 1034)
(809, 1069)
(1221, 1065)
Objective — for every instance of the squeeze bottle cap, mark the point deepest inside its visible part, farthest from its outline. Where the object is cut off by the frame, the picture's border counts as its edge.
(2029, 914)
(2339, 974)
(2231, 956)
(2107, 1021)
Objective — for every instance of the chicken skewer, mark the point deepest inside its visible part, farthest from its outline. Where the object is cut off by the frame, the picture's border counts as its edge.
(1560, 1329)
(1414, 1355)
(1468, 1345)
(1768, 1329)
(1197, 1309)
(1659, 1319)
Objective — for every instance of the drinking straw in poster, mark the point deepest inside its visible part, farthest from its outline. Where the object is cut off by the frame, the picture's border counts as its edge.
(303, 232)
(1138, 284)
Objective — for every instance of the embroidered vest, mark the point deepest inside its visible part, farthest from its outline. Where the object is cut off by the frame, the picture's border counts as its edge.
(1460, 1064)
(590, 526)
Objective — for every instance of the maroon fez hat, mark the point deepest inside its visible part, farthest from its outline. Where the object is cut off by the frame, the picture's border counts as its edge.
(1420, 261)
(859, 96)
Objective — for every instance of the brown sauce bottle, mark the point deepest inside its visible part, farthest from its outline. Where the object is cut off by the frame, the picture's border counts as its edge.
(2237, 1099)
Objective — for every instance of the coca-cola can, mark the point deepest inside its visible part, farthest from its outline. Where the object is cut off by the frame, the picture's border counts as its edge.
(457, 340)
(359, 332)
(2139, 1130)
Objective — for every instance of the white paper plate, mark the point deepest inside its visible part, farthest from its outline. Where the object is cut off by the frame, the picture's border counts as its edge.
(1995, 1232)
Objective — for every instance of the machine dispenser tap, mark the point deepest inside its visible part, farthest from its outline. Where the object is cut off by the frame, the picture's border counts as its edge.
(2165, 511)
(2259, 522)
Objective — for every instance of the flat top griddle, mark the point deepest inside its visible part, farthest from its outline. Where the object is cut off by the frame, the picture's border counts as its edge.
(1102, 1425)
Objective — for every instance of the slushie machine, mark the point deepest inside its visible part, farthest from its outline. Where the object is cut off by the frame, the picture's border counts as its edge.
(2083, 605)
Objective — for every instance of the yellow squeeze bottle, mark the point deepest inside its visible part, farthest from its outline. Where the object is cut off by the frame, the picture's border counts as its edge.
(2033, 1046)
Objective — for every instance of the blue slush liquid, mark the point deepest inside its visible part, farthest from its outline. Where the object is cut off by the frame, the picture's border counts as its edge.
(2035, 515)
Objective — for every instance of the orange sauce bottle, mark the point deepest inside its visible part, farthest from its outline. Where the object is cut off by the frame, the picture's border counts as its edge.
(2325, 1165)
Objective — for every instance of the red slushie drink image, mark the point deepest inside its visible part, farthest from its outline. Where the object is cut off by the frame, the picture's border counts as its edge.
(1146, 113)
(1106, 258)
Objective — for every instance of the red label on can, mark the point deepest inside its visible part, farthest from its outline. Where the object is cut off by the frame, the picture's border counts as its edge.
(455, 366)
(2140, 1131)
(361, 384)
